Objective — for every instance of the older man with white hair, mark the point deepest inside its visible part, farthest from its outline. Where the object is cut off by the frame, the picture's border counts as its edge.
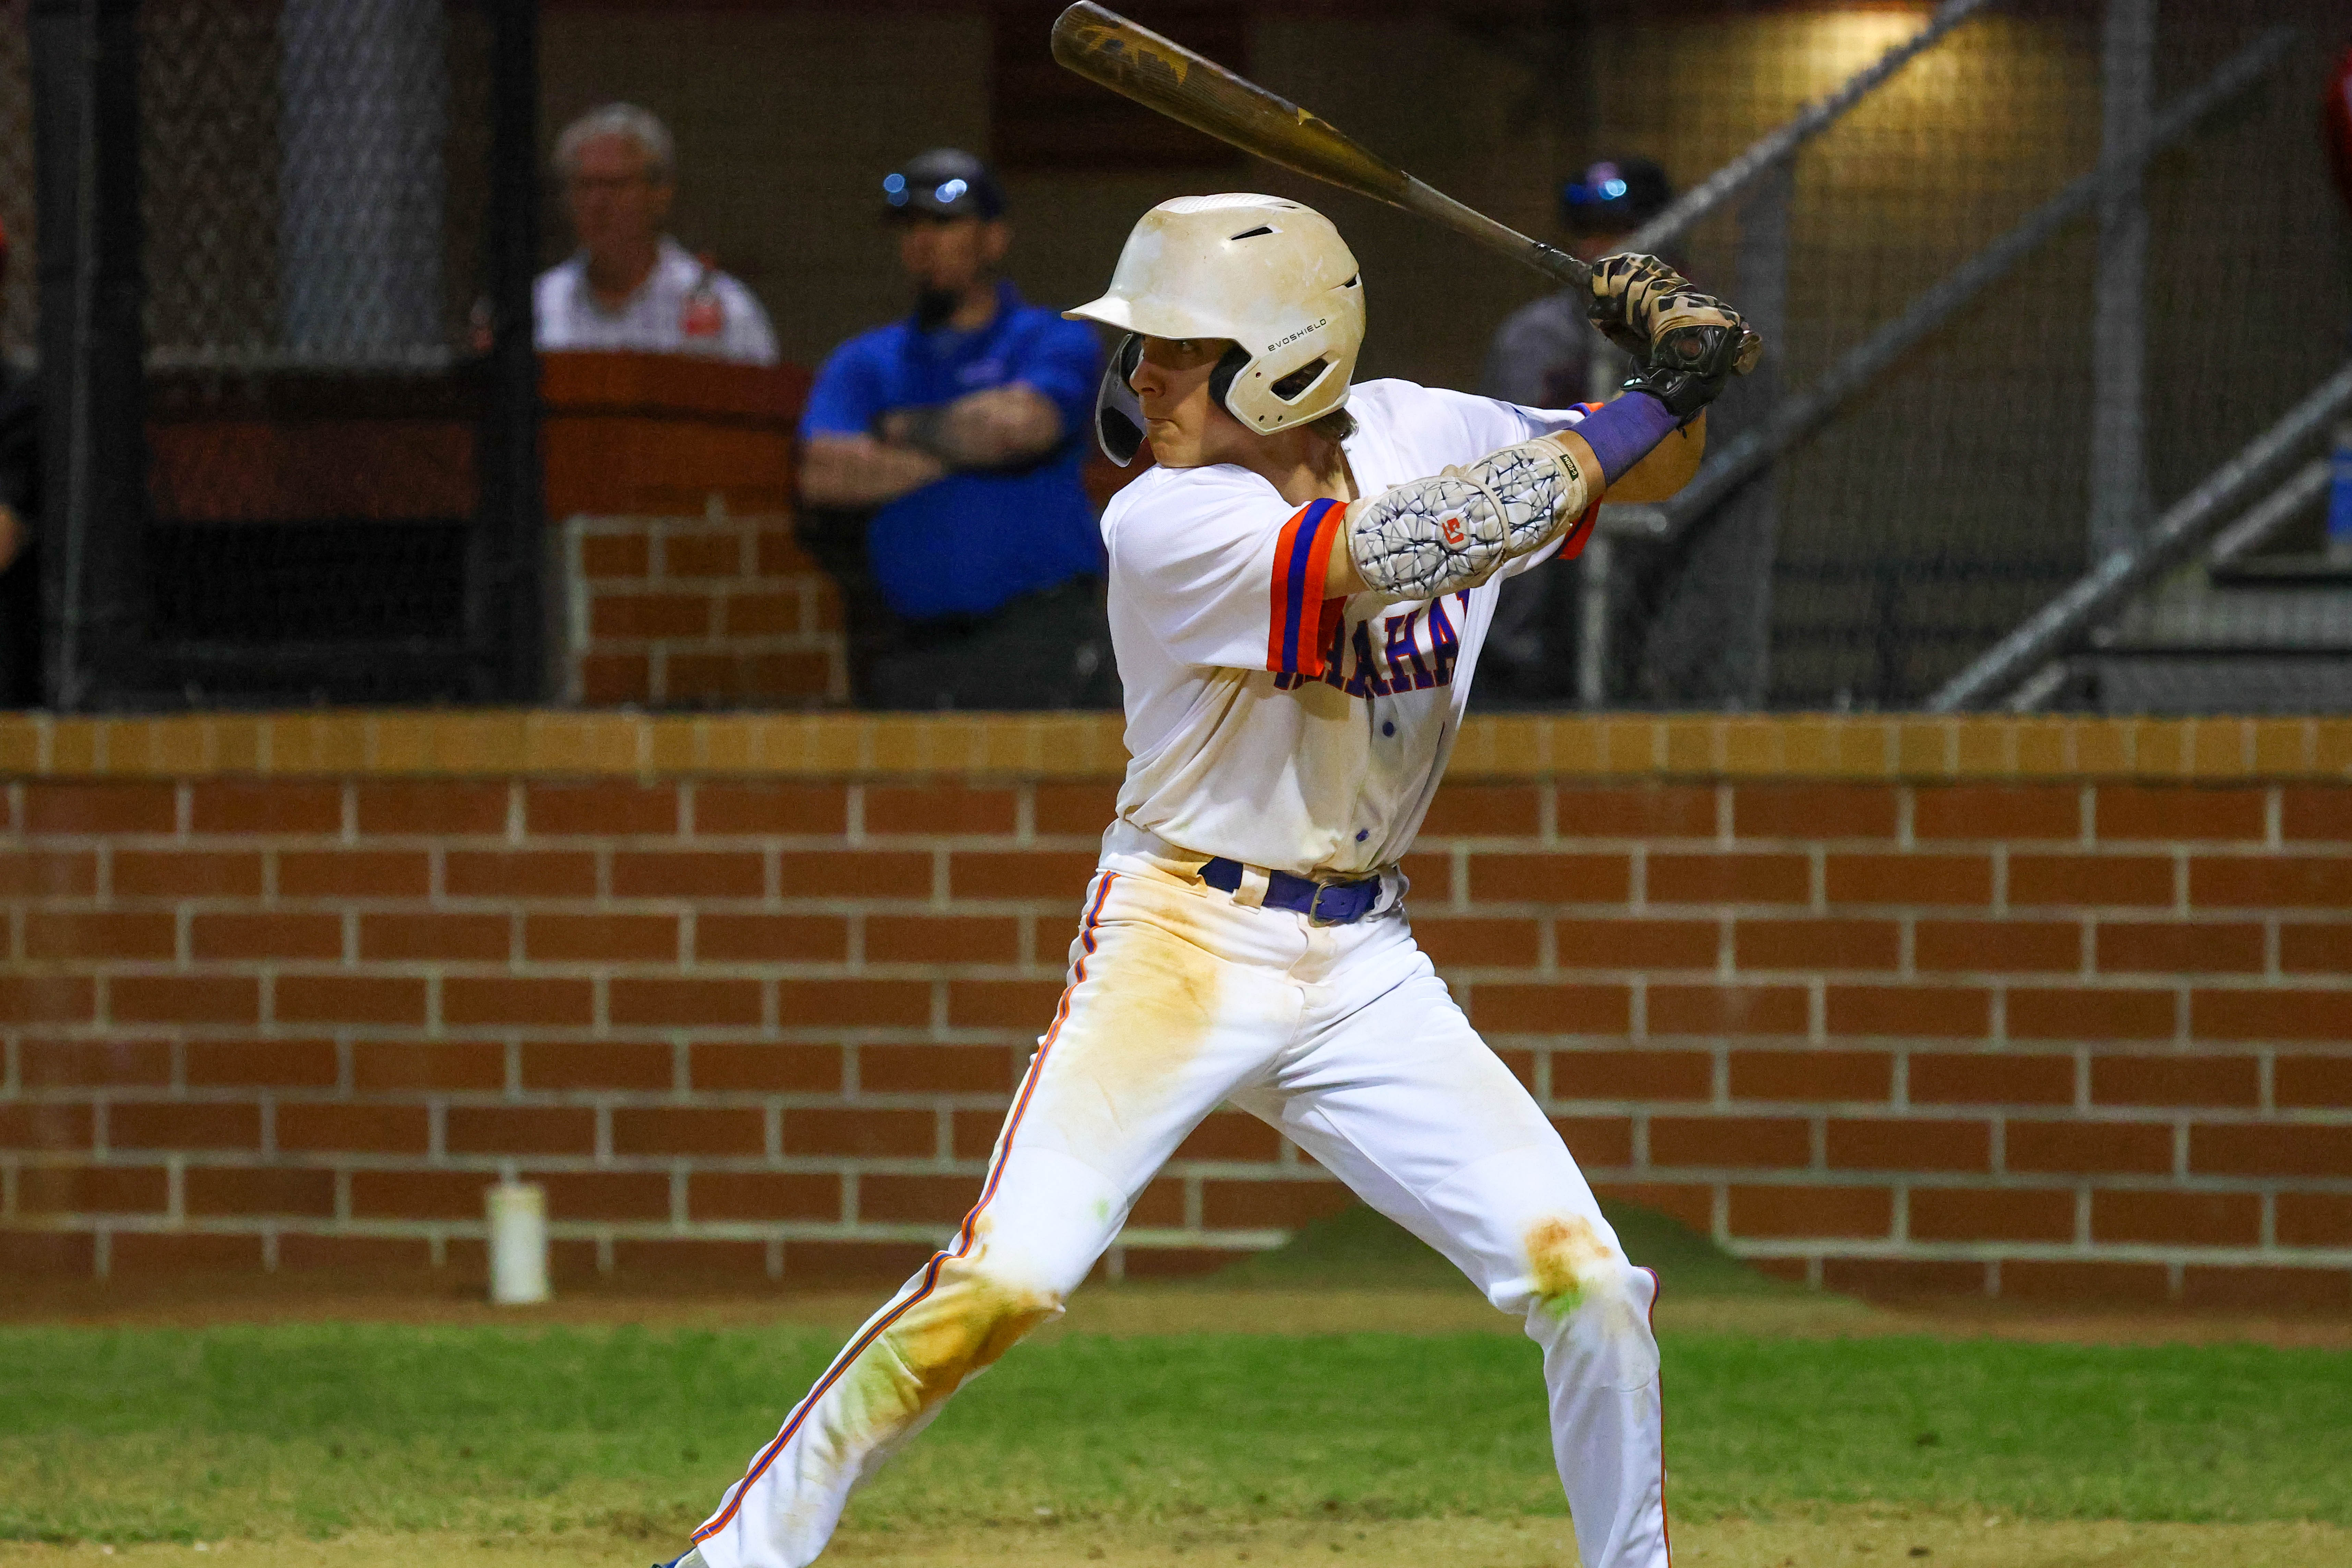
(629, 285)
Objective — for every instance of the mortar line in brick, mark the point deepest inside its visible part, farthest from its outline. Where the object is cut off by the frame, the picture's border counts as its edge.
(1817, 878)
(1906, 816)
(2082, 1215)
(849, 1193)
(342, 1195)
(2173, 1272)
(2180, 880)
(1899, 1222)
(176, 1189)
(12, 1071)
(1637, 872)
(2274, 818)
(184, 808)
(102, 1246)
(1997, 1016)
(772, 1130)
(1637, 1008)
(100, 1139)
(437, 1131)
(7, 1189)
(1724, 835)
(2268, 1225)
(2267, 1080)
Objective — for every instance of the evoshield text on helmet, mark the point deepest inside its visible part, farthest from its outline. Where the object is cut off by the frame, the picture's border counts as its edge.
(1271, 275)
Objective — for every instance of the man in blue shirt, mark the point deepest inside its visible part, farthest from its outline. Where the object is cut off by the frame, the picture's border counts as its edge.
(952, 441)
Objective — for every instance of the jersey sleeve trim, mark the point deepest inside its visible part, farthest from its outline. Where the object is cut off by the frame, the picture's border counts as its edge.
(1572, 543)
(1303, 619)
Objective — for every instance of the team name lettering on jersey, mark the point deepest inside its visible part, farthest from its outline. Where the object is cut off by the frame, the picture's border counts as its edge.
(1417, 652)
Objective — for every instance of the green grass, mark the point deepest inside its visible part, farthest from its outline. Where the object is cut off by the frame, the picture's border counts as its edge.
(125, 1434)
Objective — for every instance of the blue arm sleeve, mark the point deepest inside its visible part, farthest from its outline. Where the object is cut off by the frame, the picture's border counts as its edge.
(1621, 434)
(846, 397)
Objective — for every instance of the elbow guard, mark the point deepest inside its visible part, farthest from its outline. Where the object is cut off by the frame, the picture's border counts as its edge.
(1440, 535)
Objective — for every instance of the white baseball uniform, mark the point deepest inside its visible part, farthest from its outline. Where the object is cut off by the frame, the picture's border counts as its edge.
(685, 306)
(1270, 726)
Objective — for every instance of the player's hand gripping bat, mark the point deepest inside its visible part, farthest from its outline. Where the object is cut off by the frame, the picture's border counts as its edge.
(1134, 62)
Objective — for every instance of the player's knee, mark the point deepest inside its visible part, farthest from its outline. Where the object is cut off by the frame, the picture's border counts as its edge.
(1600, 1315)
(977, 1310)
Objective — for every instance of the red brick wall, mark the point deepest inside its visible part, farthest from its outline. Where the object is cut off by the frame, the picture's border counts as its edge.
(2030, 1036)
(696, 612)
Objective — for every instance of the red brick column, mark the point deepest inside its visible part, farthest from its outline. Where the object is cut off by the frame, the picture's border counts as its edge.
(1990, 1007)
(708, 612)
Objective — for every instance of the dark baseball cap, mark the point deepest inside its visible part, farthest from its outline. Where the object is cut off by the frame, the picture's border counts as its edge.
(943, 183)
(1613, 195)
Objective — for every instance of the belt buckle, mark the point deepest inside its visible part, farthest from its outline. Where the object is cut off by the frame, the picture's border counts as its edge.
(1314, 904)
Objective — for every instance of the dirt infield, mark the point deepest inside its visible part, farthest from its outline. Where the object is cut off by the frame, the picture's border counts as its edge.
(1129, 1310)
(1852, 1538)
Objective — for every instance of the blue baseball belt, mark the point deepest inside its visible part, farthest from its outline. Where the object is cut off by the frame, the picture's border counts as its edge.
(1325, 903)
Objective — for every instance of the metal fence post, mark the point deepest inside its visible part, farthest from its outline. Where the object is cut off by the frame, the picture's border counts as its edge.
(2118, 499)
(86, 150)
(506, 617)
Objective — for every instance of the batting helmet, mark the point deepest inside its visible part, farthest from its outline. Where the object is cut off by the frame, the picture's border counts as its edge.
(1269, 274)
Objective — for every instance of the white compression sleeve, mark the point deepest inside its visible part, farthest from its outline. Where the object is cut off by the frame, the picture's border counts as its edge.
(1440, 535)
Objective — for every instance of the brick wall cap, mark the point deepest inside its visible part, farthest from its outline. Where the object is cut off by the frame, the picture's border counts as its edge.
(556, 743)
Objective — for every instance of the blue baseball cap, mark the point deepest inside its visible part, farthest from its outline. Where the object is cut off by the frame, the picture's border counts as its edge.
(1613, 195)
(942, 183)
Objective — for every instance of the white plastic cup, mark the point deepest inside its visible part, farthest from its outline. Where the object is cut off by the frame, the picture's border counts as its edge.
(517, 1217)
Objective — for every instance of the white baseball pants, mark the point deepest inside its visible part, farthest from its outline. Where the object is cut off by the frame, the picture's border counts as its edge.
(1342, 1036)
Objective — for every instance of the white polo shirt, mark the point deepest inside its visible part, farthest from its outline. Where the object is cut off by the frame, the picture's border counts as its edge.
(683, 307)
(1265, 722)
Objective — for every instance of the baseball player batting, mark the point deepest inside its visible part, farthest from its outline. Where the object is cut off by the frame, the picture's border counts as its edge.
(1297, 595)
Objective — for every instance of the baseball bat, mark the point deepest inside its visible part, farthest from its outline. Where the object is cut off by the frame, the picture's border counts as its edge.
(1104, 47)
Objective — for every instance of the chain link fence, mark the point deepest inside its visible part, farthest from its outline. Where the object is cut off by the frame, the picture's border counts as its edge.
(1995, 359)
(331, 371)
(21, 308)
(2035, 423)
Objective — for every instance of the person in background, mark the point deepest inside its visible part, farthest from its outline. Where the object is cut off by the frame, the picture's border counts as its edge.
(630, 285)
(940, 472)
(1546, 355)
(20, 511)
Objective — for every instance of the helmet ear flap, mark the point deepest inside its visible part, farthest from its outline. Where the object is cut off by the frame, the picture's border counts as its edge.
(1235, 360)
(1119, 413)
